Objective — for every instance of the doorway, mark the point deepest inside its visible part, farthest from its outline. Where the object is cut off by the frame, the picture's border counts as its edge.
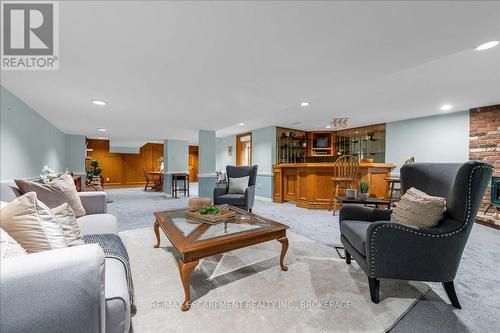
(244, 149)
(193, 164)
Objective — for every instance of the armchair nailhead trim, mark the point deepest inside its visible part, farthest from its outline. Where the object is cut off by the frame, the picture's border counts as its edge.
(419, 233)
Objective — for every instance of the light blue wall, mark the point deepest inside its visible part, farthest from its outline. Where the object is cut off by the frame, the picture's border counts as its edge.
(177, 156)
(27, 140)
(176, 160)
(125, 150)
(442, 138)
(75, 153)
(222, 157)
(264, 155)
(206, 163)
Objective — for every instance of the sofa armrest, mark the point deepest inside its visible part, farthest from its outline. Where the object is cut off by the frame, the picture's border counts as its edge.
(218, 191)
(362, 213)
(249, 196)
(94, 202)
(54, 291)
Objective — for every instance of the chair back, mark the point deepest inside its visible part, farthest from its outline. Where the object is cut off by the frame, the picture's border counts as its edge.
(346, 167)
(463, 185)
(242, 171)
(146, 175)
(410, 159)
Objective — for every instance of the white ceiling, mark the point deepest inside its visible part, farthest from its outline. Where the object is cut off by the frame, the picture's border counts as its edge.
(169, 69)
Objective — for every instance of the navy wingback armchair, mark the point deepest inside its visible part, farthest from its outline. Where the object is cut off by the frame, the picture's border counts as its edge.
(244, 201)
(391, 250)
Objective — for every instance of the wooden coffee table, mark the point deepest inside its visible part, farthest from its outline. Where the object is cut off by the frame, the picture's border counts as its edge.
(194, 239)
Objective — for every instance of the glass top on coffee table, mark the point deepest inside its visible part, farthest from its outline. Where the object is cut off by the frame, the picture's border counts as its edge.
(240, 223)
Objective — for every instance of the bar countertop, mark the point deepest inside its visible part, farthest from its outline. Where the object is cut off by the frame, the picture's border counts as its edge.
(330, 164)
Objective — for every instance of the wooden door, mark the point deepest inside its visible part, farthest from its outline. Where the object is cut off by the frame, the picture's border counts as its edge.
(193, 163)
(244, 149)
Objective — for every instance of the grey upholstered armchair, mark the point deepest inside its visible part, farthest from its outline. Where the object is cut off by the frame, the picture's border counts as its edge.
(395, 251)
(244, 201)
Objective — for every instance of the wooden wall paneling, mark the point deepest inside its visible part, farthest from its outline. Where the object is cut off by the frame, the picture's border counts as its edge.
(113, 170)
(278, 188)
(289, 180)
(125, 170)
(302, 186)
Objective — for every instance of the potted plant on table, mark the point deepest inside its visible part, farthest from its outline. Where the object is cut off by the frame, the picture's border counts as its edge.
(363, 189)
(94, 174)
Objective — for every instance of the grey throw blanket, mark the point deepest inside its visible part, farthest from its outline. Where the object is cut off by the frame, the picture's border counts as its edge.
(113, 247)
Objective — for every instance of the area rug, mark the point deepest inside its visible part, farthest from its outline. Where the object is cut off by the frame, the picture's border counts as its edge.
(246, 291)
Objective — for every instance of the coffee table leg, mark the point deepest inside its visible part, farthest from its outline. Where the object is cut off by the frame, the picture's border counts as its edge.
(156, 228)
(284, 248)
(185, 270)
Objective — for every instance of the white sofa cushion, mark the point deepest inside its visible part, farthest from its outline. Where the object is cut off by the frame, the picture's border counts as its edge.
(98, 224)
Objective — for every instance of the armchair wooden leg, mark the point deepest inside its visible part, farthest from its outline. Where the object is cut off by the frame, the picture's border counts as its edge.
(347, 257)
(449, 287)
(374, 284)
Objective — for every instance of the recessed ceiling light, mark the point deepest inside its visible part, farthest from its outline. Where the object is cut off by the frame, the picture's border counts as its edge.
(487, 45)
(446, 107)
(328, 126)
(102, 129)
(241, 124)
(99, 102)
(304, 104)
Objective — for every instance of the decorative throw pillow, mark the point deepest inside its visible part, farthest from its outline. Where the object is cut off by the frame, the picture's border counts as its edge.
(66, 218)
(31, 223)
(238, 185)
(9, 248)
(419, 209)
(58, 191)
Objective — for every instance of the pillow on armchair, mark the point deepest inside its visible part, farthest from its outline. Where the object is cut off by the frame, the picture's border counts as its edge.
(419, 209)
(238, 185)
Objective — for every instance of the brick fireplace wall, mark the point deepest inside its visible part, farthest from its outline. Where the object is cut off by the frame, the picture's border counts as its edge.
(484, 140)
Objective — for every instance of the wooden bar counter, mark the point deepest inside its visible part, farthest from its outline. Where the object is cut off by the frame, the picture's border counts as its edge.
(309, 185)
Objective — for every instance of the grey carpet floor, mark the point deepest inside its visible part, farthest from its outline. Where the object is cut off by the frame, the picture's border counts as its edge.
(477, 281)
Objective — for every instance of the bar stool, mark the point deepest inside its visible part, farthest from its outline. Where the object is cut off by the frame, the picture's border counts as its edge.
(391, 184)
(345, 172)
(184, 177)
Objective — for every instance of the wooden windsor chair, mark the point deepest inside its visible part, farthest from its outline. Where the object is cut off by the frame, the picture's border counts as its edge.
(150, 179)
(345, 173)
(391, 184)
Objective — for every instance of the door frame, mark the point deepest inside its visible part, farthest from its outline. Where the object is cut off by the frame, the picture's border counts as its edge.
(239, 148)
(193, 150)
